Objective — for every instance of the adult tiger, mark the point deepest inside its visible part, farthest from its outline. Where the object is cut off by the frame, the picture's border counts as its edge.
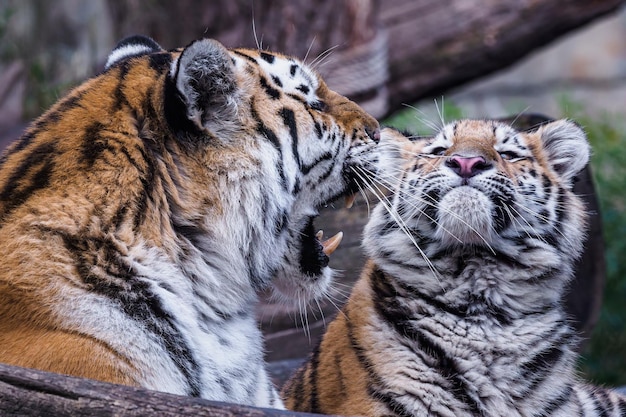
(459, 310)
(142, 213)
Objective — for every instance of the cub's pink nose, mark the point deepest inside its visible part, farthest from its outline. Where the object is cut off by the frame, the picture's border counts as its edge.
(466, 167)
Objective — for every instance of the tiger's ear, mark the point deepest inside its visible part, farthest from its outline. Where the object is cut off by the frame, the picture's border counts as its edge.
(131, 46)
(205, 79)
(566, 147)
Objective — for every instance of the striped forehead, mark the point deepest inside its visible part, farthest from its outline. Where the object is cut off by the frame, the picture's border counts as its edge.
(290, 75)
(488, 132)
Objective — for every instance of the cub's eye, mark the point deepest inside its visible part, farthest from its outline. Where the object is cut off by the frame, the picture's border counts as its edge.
(509, 155)
(318, 105)
(439, 151)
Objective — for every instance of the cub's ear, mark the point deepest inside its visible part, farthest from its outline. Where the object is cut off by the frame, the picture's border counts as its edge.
(566, 148)
(131, 46)
(205, 78)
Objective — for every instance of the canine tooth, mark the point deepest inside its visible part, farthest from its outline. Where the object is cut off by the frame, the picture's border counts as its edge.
(319, 235)
(350, 200)
(332, 243)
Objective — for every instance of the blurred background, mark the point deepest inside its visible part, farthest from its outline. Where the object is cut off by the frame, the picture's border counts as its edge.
(410, 63)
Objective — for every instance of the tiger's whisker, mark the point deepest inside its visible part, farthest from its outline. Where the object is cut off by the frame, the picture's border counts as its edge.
(388, 206)
(309, 49)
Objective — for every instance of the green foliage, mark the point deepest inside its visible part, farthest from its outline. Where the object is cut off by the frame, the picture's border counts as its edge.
(43, 85)
(42, 92)
(604, 359)
(8, 49)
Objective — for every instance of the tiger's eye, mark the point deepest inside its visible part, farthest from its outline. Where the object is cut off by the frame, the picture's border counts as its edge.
(439, 151)
(508, 155)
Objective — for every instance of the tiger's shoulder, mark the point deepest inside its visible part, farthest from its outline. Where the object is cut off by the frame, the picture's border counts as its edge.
(141, 215)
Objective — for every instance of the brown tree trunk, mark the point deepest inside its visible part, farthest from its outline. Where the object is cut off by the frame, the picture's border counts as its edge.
(31, 393)
(295, 27)
(381, 53)
(340, 38)
(435, 45)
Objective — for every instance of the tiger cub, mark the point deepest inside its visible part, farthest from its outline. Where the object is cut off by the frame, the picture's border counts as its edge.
(458, 311)
(142, 213)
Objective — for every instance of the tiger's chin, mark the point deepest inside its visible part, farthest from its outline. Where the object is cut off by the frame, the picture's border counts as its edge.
(309, 278)
(465, 217)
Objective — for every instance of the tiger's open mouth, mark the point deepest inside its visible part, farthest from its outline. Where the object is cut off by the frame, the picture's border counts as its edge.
(314, 251)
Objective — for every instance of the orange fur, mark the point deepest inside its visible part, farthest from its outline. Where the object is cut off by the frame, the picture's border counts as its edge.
(84, 215)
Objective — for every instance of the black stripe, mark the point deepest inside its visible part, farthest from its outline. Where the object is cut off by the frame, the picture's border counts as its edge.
(622, 405)
(561, 209)
(374, 382)
(277, 81)
(31, 175)
(268, 57)
(93, 144)
(248, 57)
(120, 97)
(430, 211)
(390, 257)
(541, 365)
(326, 156)
(556, 402)
(303, 88)
(295, 390)
(318, 130)
(383, 287)
(20, 143)
(600, 404)
(391, 401)
(271, 91)
(58, 112)
(148, 184)
(119, 218)
(327, 173)
(134, 296)
(546, 184)
(271, 136)
(313, 380)
(160, 62)
(502, 218)
(289, 119)
(387, 304)
(544, 216)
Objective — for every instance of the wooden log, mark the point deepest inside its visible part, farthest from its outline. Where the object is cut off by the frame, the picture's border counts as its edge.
(399, 51)
(437, 45)
(32, 393)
